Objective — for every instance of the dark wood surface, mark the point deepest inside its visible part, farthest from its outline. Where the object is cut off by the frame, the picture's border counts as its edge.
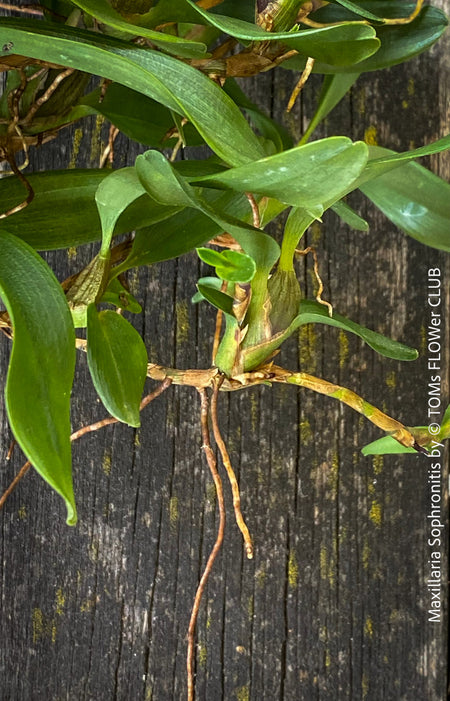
(334, 605)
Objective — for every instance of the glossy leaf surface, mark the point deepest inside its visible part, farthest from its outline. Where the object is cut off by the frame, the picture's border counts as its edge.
(117, 361)
(387, 446)
(163, 78)
(331, 164)
(182, 232)
(102, 11)
(334, 87)
(338, 45)
(164, 184)
(137, 116)
(313, 312)
(412, 197)
(349, 216)
(268, 127)
(42, 364)
(63, 212)
(398, 42)
(218, 299)
(114, 194)
(230, 265)
(422, 434)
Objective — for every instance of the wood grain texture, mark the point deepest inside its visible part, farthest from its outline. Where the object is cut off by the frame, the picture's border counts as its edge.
(334, 605)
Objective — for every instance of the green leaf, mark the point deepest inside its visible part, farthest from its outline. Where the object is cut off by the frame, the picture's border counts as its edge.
(163, 183)
(63, 212)
(422, 435)
(414, 199)
(116, 294)
(213, 282)
(268, 127)
(113, 196)
(102, 11)
(167, 11)
(445, 424)
(137, 116)
(349, 216)
(230, 265)
(313, 312)
(341, 45)
(42, 365)
(331, 165)
(357, 9)
(382, 159)
(386, 446)
(117, 361)
(175, 84)
(236, 8)
(334, 87)
(398, 42)
(218, 299)
(181, 233)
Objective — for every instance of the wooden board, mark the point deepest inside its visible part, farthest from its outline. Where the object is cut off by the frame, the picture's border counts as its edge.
(335, 603)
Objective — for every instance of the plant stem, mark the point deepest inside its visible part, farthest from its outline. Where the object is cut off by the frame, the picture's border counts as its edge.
(297, 223)
(212, 464)
(346, 396)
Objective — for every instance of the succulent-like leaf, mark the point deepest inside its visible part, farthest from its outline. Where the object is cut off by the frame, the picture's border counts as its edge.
(341, 45)
(63, 212)
(163, 183)
(42, 364)
(102, 11)
(332, 164)
(233, 266)
(349, 216)
(175, 84)
(117, 361)
(412, 197)
(398, 42)
(137, 116)
(313, 312)
(218, 299)
(113, 196)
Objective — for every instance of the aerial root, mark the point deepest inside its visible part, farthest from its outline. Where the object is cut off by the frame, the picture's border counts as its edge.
(29, 198)
(302, 80)
(108, 153)
(212, 464)
(81, 432)
(255, 210)
(22, 472)
(25, 9)
(46, 95)
(312, 250)
(231, 475)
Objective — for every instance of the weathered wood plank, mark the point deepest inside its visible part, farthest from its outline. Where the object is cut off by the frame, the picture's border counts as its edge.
(334, 605)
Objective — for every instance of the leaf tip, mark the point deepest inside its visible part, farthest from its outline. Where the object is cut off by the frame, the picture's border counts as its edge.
(72, 516)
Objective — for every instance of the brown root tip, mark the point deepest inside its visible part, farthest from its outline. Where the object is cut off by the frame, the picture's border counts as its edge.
(420, 448)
